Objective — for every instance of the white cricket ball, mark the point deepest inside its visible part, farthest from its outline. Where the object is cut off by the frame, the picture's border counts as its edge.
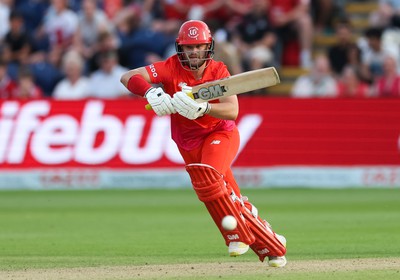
(229, 222)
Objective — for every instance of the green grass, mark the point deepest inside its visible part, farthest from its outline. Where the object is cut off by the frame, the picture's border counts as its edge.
(52, 229)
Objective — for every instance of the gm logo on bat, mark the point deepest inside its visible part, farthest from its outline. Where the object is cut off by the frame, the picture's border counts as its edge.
(211, 92)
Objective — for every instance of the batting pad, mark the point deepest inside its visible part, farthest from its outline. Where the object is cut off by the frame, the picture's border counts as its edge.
(266, 243)
(213, 191)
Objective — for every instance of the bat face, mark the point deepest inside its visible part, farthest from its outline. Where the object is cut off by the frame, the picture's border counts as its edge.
(210, 92)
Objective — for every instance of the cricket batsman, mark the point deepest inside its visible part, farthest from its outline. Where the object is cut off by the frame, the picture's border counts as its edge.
(207, 138)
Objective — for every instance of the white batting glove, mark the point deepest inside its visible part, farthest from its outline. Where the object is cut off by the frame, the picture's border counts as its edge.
(189, 108)
(160, 102)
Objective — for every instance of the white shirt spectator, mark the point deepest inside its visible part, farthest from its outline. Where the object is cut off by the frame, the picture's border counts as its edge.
(66, 90)
(74, 85)
(107, 85)
(91, 22)
(60, 25)
(319, 83)
(4, 20)
(305, 86)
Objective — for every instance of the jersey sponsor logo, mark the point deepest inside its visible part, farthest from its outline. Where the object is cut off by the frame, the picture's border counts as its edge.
(215, 142)
(153, 70)
(210, 92)
(193, 32)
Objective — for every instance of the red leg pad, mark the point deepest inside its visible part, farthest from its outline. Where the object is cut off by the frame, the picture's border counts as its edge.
(266, 243)
(212, 190)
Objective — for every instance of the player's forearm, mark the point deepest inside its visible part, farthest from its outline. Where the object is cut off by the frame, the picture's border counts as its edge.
(137, 81)
(141, 71)
(226, 110)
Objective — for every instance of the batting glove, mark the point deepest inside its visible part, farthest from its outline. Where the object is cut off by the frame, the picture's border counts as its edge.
(189, 108)
(160, 102)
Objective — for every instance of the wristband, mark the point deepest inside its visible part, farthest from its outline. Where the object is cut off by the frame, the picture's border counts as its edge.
(138, 85)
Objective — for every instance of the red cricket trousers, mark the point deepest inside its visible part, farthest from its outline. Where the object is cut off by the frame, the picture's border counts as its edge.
(218, 150)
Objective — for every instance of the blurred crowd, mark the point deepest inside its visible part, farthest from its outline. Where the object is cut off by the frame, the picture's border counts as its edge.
(71, 49)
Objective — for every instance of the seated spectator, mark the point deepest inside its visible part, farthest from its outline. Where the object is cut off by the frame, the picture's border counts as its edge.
(104, 83)
(33, 12)
(344, 51)
(7, 85)
(164, 16)
(27, 89)
(325, 13)
(255, 38)
(17, 42)
(92, 22)
(372, 54)
(226, 51)
(224, 11)
(60, 24)
(318, 83)
(293, 22)
(386, 10)
(46, 68)
(388, 85)
(5, 11)
(74, 85)
(350, 85)
(139, 44)
(106, 41)
(391, 39)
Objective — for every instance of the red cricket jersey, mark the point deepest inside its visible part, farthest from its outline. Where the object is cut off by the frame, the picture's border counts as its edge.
(189, 134)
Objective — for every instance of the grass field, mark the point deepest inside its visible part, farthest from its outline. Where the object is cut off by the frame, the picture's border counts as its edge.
(167, 234)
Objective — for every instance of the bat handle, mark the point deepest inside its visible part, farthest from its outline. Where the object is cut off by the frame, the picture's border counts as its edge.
(148, 106)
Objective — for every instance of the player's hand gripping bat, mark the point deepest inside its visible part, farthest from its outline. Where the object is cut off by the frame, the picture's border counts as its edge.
(236, 84)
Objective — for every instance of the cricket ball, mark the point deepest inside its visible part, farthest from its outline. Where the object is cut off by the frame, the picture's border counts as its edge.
(229, 222)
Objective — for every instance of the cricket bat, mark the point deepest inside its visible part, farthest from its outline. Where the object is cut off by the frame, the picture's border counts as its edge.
(236, 84)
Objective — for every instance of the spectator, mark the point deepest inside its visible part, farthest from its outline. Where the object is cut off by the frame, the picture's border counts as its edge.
(325, 13)
(164, 16)
(255, 39)
(227, 51)
(5, 10)
(27, 89)
(223, 11)
(318, 83)
(60, 24)
(33, 12)
(168, 15)
(350, 85)
(344, 51)
(46, 68)
(293, 22)
(139, 44)
(17, 43)
(106, 41)
(92, 22)
(74, 85)
(372, 54)
(7, 85)
(383, 15)
(104, 83)
(391, 39)
(388, 85)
